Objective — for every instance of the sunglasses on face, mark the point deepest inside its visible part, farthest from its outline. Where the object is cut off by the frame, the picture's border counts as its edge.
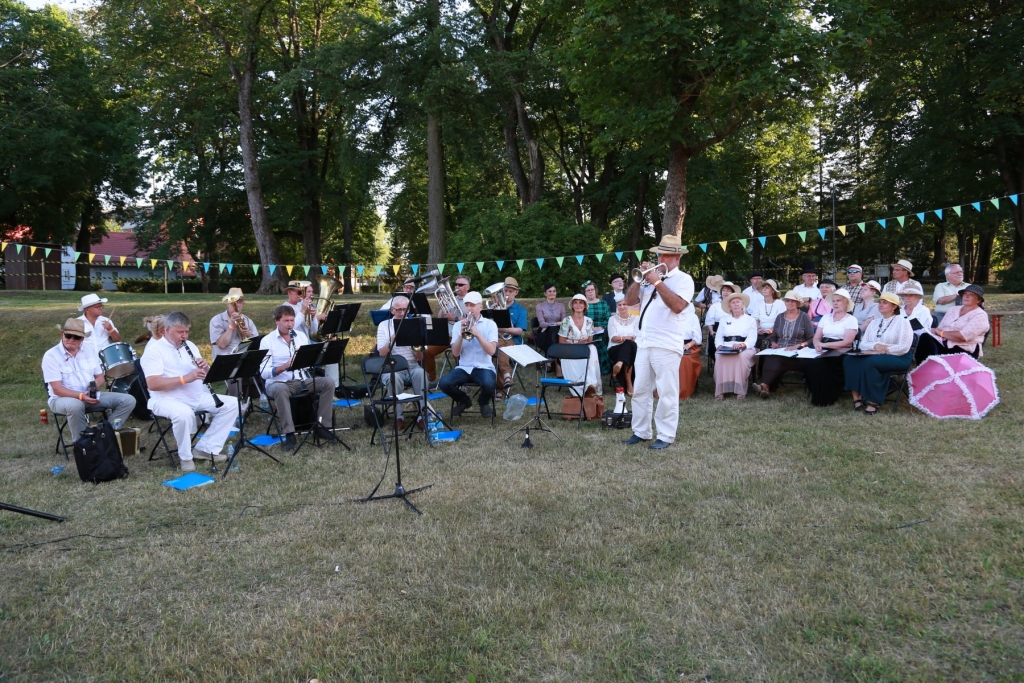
(462, 284)
(73, 337)
(853, 270)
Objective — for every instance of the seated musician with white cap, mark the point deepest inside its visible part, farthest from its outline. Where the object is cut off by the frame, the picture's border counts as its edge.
(475, 358)
(103, 332)
(283, 382)
(174, 372)
(67, 371)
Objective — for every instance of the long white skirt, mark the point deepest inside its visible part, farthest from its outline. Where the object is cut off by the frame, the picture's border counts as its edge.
(573, 370)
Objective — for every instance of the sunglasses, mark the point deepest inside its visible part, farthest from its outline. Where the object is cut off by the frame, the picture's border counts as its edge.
(462, 284)
(73, 337)
(853, 270)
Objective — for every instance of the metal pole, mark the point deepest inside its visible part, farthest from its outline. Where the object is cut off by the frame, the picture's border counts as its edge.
(42, 271)
(165, 278)
(835, 265)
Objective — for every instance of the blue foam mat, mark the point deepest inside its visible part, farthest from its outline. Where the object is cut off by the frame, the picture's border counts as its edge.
(188, 481)
(266, 440)
(347, 402)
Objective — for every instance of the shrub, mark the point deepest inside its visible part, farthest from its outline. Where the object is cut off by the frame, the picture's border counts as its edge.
(1012, 279)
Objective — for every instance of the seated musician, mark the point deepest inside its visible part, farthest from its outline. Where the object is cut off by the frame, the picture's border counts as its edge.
(101, 328)
(301, 306)
(67, 371)
(792, 331)
(519, 322)
(409, 287)
(962, 330)
(414, 377)
(282, 382)
(430, 354)
(475, 358)
(174, 372)
(227, 330)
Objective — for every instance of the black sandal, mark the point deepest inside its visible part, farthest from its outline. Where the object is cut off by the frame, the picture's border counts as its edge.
(858, 404)
(870, 406)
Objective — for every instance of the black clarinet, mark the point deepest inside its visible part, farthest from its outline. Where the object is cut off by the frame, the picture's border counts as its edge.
(216, 399)
(295, 350)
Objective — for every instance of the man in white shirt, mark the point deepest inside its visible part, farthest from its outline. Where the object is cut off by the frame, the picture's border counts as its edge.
(101, 328)
(475, 359)
(296, 290)
(283, 382)
(902, 272)
(947, 293)
(174, 372)
(414, 377)
(660, 341)
(67, 371)
(754, 291)
(808, 288)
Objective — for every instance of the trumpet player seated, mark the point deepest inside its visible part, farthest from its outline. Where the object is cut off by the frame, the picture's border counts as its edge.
(229, 329)
(302, 307)
(414, 377)
(174, 372)
(474, 343)
(511, 336)
(67, 371)
(283, 382)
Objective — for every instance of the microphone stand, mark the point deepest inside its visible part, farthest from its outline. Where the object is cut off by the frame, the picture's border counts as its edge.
(400, 492)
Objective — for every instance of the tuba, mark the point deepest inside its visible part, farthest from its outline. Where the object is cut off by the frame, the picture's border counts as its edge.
(497, 302)
(442, 291)
(324, 287)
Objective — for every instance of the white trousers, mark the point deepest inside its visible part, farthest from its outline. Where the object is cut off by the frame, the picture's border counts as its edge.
(656, 369)
(183, 421)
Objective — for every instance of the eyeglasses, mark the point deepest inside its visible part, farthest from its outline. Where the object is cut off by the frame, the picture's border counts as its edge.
(73, 337)
(462, 284)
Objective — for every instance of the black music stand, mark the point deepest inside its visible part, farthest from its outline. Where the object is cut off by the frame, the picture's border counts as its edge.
(424, 332)
(238, 366)
(347, 315)
(316, 355)
(420, 304)
(400, 492)
(501, 317)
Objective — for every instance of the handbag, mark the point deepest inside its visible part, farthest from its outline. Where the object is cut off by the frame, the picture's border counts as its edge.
(593, 407)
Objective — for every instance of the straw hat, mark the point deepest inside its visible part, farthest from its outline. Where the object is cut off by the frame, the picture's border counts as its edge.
(843, 293)
(735, 295)
(714, 282)
(74, 326)
(578, 297)
(791, 295)
(905, 264)
(91, 300)
(913, 289)
(512, 282)
(891, 298)
(770, 283)
(233, 293)
(875, 285)
(727, 283)
(670, 244)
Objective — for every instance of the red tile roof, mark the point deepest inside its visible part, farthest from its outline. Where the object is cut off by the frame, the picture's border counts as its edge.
(117, 244)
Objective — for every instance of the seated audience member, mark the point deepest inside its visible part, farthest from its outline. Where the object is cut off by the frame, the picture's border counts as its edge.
(736, 331)
(690, 365)
(753, 290)
(174, 372)
(577, 328)
(622, 348)
(902, 272)
(709, 296)
(765, 310)
(415, 377)
(598, 312)
(476, 359)
(282, 382)
(67, 371)
(618, 292)
(867, 309)
(716, 313)
(834, 336)
(914, 309)
(962, 329)
(792, 330)
(886, 344)
(947, 294)
(855, 285)
(819, 308)
(807, 288)
(550, 314)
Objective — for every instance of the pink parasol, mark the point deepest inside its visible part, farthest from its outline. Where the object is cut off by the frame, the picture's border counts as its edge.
(953, 386)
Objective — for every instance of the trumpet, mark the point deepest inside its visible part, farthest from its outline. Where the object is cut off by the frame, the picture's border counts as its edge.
(467, 330)
(641, 275)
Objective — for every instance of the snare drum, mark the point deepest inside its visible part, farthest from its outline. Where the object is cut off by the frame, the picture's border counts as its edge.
(117, 360)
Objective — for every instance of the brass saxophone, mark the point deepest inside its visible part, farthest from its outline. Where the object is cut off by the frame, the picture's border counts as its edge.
(241, 325)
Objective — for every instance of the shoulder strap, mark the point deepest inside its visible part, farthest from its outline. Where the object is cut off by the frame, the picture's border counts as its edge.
(640, 323)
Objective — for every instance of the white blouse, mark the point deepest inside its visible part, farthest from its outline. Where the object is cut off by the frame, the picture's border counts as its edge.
(766, 313)
(921, 314)
(617, 327)
(744, 326)
(894, 332)
(836, 330)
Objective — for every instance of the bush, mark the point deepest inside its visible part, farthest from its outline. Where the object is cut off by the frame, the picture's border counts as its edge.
(1012, 279)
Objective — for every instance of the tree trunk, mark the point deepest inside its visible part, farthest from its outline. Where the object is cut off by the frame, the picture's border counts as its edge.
(601, 203)
(435, 190)
(1010, 156)
(92, 213)
(266, 242)
(515, 164)
(675, 190)
(639, 221)
(983, 266)
(345, 270)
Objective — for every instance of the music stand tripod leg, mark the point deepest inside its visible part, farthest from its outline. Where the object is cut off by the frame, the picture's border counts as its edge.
(243, 443)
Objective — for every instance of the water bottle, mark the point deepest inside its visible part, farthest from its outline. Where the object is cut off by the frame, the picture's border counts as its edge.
(263, 402)
(59, 469)
(117, 424)
(231, 454)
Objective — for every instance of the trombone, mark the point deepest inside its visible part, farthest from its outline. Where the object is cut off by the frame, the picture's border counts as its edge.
(641, 275)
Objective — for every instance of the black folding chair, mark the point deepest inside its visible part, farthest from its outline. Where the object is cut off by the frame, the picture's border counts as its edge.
(566, 352)
(380, 403)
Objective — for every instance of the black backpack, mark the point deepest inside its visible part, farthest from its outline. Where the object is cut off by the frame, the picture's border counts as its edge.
(98, 456)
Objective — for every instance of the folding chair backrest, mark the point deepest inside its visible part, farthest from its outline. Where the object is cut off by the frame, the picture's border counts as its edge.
(569, 351)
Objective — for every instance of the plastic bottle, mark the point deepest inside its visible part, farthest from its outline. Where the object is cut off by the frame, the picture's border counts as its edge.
(59, 469)
(263, 402)
(231, 454)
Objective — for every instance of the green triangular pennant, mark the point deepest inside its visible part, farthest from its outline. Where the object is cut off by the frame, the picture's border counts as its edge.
(743, 243)
(441, 267)
(803, 235)
(48, 252)
(995, 202)
(106, 259)
(305, 270)
(560, 259)
(138, 261)
(639, 255)
(862, 226)
(958, 210)
(520, 262)
(480, 266)
(902, 220)
(255, 269)
(600, 257)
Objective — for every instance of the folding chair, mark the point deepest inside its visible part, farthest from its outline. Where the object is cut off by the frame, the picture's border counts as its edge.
(60, 420)
(566, 352)
(381, 404)
(898, 389)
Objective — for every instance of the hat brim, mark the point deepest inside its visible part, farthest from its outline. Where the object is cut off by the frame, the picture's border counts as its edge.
(899, 265)
(735, 295)
(82, 307)
(668, 252)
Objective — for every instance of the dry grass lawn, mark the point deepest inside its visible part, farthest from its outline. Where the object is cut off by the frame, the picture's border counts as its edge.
(774, 542)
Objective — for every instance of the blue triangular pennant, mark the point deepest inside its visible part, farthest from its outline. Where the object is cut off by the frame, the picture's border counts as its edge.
(540, 263)
(1013, 198)
(460, 266)
(821, 232)
(500, 264)
(619, 254)
(762, 240)
(206, 267)
(704, 247)
(359, 269)
(938, 212)
(976, 205)
(323, 269)
(920, 217)
(579, 259)
(881, 221)
(230, 267)
(415, 269)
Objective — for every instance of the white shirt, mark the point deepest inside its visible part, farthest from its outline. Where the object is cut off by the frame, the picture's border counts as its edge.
(897, 287)
(946, 289)
(744, 326)
(280, 353)
(765, 314)
(73, 372)
(220, 323)
(894, 333)
(714, 315)
(300, 320)
(100, 337)
(660, 328)
(691, 326)
(836, 330)
(756, 299)
(716, 298)
(473, 356)
(921, 314)
(806, 292)
(161, 359)
(385, 331)
(617, 327)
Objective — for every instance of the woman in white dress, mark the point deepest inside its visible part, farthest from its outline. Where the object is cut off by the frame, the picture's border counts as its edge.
(766, 310)
(836, 332)
(577, 328)
(736, 331)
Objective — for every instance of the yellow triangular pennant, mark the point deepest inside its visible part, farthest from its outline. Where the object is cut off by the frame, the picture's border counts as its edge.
(123, 259)
(783, 238)
(842, 229)
(31, 251)
(723, 243)
(152, 263)
(91, 257)
(288, 269)
(396, 268)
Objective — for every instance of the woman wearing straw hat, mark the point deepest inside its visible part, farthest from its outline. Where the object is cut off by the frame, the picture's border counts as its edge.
(577, 328)
(716, 313)
(886, 347)
(735, 346)
(834, 336)
(792, 331)
(867, 309)
(914, 308)
(962, 329)
(765, 309)
(708, 296)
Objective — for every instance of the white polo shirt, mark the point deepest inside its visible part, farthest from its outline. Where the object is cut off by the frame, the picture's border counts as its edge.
(280, 352)
(660, 327)
(161, 359)
(73, 372)
(806, 292)
(473, 356)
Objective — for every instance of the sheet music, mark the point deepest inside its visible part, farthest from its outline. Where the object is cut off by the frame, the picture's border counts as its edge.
(777, 352)
(522, 354)
(807, 352)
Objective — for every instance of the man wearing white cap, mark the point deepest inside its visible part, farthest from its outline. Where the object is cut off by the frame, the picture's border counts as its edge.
(102, 332)
(475, 358)
(660, 340)
(902, 272)
(855, 282)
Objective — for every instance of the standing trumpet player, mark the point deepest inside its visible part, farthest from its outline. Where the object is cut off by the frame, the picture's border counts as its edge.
(661, 337)
(228, 330)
